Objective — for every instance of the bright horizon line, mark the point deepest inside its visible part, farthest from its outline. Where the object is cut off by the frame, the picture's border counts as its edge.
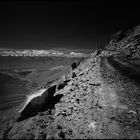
(77, 49)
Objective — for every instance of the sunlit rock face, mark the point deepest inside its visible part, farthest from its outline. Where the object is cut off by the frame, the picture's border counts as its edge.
(38, 103)
(31, 97)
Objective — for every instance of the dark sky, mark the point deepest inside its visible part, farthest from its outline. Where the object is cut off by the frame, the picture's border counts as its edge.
(63, 24)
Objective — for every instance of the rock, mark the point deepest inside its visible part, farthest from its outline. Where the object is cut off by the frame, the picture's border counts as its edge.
(40, 103)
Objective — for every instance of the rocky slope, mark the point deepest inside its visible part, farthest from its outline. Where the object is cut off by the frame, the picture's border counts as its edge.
(99, 98)
(127, 42)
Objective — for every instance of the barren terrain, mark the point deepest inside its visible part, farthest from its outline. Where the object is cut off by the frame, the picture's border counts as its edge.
(98, 98)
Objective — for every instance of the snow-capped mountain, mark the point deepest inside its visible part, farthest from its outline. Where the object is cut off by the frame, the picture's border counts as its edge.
(41, 53)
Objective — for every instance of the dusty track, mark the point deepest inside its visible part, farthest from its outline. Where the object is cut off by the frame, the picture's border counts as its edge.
(123, 75)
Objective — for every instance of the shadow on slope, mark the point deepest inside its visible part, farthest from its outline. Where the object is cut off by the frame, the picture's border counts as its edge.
(131, 72)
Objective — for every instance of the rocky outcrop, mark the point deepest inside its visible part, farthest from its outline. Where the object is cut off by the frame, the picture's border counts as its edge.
(96, 100)
(41, 103)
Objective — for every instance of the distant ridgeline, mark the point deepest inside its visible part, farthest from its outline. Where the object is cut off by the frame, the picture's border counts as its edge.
(127, 42)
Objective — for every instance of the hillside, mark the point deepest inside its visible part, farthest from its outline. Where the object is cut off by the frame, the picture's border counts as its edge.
(99, 98)
(126, 42)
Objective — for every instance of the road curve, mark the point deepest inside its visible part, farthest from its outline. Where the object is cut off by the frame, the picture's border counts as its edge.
(125, 77)
(126, 67)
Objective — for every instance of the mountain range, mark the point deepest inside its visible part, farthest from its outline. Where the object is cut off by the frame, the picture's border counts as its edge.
(42, 53)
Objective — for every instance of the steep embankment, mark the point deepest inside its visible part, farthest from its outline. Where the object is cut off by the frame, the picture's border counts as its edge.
(127, 42)
(99, 99)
